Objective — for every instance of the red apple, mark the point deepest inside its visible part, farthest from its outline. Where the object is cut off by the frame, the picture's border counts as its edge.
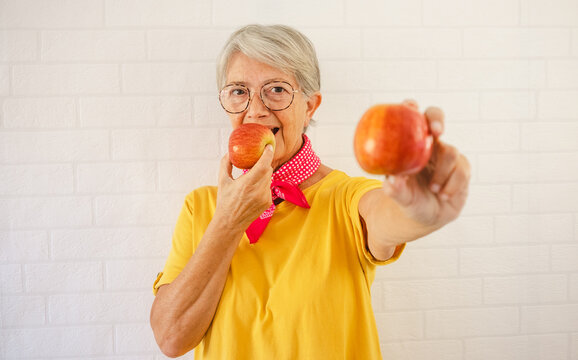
(247, 143)
(392, 139)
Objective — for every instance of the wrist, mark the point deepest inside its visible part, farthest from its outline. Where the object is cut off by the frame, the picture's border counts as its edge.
(226, 226)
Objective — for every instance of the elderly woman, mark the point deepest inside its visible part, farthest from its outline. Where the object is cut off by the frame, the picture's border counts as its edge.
(256, 273)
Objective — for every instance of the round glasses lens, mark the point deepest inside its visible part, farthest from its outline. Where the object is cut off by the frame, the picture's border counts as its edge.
(234, 98)
(277, 95)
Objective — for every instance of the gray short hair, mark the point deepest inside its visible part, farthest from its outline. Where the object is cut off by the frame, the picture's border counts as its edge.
(279, 46)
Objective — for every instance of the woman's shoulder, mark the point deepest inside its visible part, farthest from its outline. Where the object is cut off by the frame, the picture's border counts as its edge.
(339, 176)
(202, 195)
(203, 191)
(337, 180)
(318, 176)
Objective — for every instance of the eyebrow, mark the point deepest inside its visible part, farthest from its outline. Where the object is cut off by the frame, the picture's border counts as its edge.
(244, 83)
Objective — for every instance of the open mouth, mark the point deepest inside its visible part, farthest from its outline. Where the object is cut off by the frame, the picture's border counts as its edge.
(274, 130)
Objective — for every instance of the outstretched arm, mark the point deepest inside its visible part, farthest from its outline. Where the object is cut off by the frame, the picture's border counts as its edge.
(409, 207)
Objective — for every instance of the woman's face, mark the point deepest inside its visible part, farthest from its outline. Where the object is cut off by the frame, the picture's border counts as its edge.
(288, 123)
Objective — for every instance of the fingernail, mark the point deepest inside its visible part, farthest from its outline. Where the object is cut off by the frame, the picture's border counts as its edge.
(435, 188)
(269, 147)
(444, 197)
(391, 179)
(436, 127)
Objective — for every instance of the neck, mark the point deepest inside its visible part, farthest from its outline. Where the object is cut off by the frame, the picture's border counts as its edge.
(301, 166)
(293, 154)
(321, 172)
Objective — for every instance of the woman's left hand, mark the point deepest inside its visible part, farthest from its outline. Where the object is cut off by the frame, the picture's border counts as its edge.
(437, 194)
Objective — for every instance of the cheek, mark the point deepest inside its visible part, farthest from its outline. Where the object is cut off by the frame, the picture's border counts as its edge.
(294, 124)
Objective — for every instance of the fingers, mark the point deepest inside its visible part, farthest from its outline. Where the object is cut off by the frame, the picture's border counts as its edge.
(225, 169)
(412, 103)
(445, 161)
(451, 173)
(396, 188)
(457, 183)
(257, 182)
(435, 117)
(243, 199)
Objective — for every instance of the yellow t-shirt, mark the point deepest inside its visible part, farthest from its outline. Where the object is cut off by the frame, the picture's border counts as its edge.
(303, 290)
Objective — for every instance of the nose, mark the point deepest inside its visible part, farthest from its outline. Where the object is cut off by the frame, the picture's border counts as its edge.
(256, 107)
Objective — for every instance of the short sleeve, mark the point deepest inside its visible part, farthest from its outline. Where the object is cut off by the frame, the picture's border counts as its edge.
(181, 249)
(357, 188)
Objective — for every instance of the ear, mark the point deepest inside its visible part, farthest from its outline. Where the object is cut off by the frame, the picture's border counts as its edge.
(312, 104)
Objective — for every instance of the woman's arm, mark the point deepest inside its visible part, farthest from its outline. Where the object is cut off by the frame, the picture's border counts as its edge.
(183, 310)
(407, 208)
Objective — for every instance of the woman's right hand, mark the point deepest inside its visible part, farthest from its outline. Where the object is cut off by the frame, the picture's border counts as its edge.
(240, 201)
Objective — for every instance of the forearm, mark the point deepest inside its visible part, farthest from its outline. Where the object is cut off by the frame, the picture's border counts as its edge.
(386, 223)
(184, 309)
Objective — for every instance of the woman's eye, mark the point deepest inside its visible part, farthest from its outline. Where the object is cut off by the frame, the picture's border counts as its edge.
(276, 91)
(238, 92)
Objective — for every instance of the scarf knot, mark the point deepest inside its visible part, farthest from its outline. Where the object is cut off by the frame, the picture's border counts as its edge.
(285, 185)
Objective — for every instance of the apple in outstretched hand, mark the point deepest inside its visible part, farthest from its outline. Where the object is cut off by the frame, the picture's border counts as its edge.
(247, 143)
(393, 139)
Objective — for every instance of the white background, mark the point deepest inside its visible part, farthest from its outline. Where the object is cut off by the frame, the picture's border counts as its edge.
(109, 117)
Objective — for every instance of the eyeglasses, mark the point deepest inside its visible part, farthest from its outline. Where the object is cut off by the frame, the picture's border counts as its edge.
(275, 95)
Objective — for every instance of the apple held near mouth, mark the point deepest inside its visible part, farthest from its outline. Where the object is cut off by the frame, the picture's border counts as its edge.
(247, 143)
(392, 139)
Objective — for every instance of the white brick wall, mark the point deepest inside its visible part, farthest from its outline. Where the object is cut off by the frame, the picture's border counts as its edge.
(109, 116)
(38, 113)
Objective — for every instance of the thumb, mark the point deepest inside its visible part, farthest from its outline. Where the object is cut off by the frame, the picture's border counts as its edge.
(266, 158)
(398, 189)
(263, 167)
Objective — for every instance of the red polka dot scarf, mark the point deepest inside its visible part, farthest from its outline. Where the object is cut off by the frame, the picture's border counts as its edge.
(285, 186)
